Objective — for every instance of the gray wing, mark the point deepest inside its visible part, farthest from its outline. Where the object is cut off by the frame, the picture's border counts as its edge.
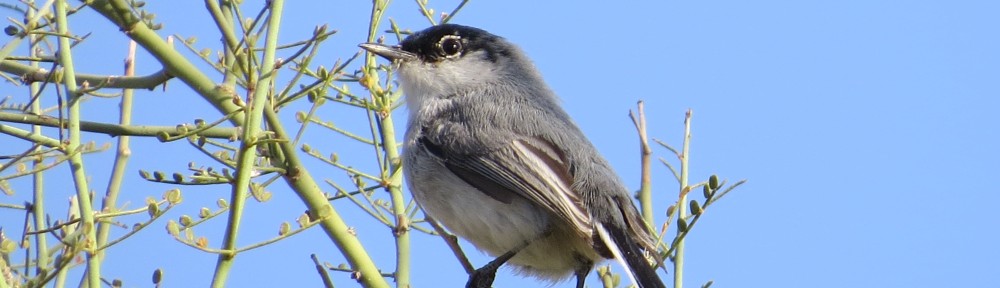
(530, 168)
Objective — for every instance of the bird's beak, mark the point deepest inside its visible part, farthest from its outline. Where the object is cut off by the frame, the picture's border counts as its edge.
(392, 53)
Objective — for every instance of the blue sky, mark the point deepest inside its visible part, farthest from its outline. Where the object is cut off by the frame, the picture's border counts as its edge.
(867, 131)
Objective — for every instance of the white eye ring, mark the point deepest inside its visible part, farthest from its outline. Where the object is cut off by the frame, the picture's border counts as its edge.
(450, 46)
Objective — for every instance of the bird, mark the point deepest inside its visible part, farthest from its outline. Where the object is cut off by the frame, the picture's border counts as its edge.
(491, 155)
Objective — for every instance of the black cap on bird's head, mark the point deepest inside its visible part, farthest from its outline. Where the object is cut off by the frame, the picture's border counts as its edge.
(443, 42)
(450, 59)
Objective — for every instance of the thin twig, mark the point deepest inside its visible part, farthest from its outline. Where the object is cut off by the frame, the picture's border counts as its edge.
(452, 242)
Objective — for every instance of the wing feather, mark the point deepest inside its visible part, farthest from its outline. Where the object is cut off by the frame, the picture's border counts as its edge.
(531, 168)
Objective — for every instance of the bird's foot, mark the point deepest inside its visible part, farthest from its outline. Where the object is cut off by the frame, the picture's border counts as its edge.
(484, 276)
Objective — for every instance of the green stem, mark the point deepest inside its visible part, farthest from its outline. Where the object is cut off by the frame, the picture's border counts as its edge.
(7, 49)
(32, 137)
(392, 177)
(175, 63)
(251, 137)
(121, 157)
(38, 179)
(455, 11)
(31, 23)
(223, 17)
(305, 186)
(394, 180)
(76, 159)
(33, 73)
(682, 212)
(646, 186)
(115, 129)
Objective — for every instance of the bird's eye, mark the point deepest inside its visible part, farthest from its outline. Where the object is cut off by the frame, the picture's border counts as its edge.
(450, 46)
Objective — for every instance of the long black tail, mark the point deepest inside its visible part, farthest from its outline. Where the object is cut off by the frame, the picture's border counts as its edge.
(630, 255)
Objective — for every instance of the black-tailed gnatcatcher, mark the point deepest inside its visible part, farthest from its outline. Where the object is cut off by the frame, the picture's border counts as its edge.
(491, 156)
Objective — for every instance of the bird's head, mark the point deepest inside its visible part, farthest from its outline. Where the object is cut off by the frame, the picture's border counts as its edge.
(448, 60)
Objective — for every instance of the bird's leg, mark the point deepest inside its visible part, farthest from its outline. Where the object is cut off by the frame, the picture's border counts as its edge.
(484, 276)
(582, 271)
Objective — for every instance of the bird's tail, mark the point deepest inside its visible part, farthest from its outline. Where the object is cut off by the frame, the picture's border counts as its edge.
(629, 254)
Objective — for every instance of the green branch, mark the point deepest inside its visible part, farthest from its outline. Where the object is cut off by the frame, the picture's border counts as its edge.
(42, 258)
(306, 188)
(175, 63)
(646, 179)
(33, 137)
(115, 129)
(86, 208)
(121, 159)
(29, 74)
(382, 128)
(682, 212)
(247, 155)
